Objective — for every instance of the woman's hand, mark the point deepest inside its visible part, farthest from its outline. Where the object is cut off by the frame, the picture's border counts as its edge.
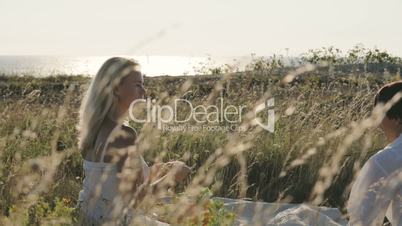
(176, 169)
(180, 170)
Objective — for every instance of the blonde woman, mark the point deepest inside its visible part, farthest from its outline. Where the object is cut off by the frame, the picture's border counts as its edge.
(104, 141)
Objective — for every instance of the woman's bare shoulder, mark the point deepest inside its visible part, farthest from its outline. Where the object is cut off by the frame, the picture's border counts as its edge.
(126, 137)
(130, 132)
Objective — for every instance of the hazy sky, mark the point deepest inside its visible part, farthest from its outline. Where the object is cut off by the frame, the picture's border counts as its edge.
(196, 28)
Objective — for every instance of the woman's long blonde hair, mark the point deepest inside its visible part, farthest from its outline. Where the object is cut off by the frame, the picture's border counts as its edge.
(100, 100)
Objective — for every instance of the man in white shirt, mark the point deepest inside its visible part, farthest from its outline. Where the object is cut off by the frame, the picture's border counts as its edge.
(377, 191)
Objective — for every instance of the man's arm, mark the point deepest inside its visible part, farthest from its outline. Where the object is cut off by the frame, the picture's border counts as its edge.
(370, 196)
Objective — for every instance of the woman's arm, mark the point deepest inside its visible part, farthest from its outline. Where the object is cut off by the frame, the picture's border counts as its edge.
(175, 174)
(162, 175)
(129, 170)
(159, 170)
(166, 175)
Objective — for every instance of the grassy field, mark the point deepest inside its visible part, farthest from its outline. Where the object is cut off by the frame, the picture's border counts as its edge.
(318, 145)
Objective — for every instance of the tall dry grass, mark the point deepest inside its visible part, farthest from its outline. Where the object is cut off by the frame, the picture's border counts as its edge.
(324, 132)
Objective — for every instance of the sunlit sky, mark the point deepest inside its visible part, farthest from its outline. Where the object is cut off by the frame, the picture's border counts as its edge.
(196, 28)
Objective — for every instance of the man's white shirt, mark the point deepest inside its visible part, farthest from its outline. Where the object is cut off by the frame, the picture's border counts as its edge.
(377, 192)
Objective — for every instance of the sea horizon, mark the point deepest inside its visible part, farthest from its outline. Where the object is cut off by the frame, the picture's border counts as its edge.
(154, 65)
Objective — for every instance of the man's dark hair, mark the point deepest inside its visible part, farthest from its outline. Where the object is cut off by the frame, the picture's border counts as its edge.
(385, 94)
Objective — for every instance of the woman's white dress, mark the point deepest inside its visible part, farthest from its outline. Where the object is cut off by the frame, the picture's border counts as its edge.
(99, 195)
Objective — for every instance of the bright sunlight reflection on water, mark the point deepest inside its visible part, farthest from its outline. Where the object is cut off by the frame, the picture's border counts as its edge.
(88, 65)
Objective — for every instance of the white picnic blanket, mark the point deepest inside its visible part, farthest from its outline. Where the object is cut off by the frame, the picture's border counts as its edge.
(263, 213)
